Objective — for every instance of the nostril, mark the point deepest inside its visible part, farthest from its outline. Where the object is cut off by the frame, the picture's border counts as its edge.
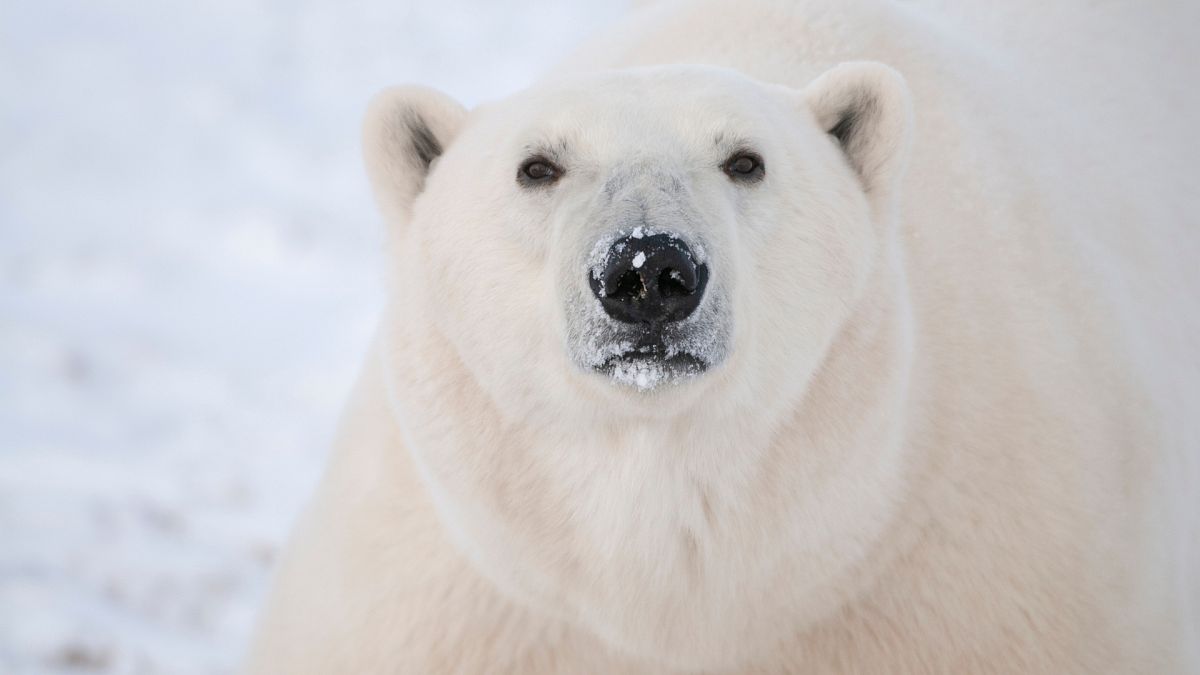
(629, 287)
(672, 284)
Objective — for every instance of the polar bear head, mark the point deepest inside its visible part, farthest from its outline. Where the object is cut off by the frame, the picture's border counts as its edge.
(663, 257)
(641, 235)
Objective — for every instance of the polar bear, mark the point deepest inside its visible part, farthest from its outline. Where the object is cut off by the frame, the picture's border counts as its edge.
(779, 337)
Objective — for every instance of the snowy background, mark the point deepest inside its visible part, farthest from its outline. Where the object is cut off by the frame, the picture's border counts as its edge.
(189, 273)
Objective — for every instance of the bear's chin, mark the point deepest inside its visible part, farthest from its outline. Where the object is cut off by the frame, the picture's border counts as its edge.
(649, 371)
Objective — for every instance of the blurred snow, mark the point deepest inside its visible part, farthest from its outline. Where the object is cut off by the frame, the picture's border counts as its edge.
(189, 273)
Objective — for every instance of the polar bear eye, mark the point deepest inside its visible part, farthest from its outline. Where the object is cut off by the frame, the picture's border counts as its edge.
(538, 171)
(744, 167)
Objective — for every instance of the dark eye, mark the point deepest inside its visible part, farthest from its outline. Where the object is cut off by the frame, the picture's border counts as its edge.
(538, 171)
(744, 167)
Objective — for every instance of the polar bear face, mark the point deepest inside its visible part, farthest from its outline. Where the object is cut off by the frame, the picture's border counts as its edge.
(641, 238)
(611, 293)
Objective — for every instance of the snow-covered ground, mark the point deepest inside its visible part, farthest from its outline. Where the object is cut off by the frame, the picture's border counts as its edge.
(189, 272)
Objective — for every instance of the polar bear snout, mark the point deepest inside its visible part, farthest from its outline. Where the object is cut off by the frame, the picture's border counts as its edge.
(650, 280)
(652, 312)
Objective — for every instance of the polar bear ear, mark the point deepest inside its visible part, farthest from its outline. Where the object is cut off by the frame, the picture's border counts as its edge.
(405, 131)
(865, 107)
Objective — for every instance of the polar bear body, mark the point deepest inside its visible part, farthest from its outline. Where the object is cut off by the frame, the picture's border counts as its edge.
(952, 423)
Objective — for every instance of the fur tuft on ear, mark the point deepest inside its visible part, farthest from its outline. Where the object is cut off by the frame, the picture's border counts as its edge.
(406, 130)
(865, 107)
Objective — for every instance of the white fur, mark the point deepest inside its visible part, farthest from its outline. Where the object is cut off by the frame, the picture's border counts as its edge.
(956, 429)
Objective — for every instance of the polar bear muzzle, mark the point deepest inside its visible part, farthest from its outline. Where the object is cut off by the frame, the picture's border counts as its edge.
(650, 313)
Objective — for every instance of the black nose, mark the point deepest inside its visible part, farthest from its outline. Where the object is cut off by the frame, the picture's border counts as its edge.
(651, 279)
